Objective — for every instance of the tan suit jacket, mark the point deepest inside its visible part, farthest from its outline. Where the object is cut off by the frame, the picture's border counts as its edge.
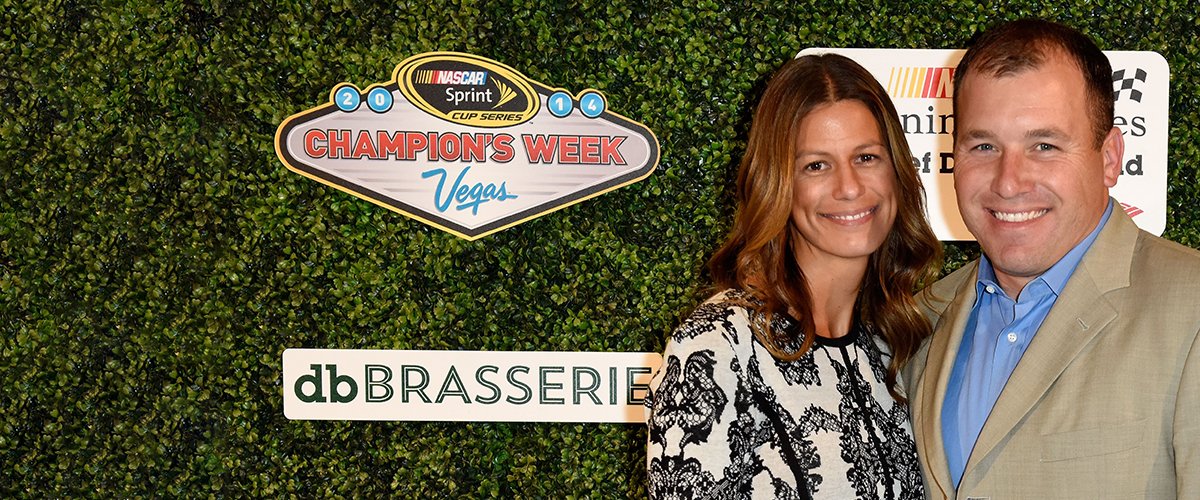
(1105, 403)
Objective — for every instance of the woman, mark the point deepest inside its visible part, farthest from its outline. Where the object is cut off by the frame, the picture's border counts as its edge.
(784, 384)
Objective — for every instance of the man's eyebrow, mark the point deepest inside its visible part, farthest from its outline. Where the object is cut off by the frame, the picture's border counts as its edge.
(1046, 133)
(977, 134)
(1040, 133)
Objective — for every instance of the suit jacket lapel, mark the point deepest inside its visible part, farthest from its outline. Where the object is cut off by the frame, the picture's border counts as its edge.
(931, 390)
(1079, 315)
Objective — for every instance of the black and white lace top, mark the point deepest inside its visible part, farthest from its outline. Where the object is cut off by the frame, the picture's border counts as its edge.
(728, 420)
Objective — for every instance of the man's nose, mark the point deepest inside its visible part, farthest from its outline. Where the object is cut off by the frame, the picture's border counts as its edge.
(1012, 175)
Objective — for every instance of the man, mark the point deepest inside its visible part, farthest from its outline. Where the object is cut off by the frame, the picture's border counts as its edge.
(1065, 362)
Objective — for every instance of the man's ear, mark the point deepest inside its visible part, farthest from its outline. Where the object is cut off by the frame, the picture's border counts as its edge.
(1113, 151)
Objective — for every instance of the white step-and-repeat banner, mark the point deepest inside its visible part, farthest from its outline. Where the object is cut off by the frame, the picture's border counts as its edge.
(921, 83)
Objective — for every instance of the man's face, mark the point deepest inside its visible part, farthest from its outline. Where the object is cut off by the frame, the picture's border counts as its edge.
(1030, 180)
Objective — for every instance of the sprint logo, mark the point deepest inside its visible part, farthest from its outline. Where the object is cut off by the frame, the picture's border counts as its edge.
(468, 90)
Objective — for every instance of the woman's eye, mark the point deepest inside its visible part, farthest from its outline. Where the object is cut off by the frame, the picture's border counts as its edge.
(815, 166)
(867, 158)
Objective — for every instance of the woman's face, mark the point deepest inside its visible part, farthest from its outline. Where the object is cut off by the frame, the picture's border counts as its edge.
(843, 196)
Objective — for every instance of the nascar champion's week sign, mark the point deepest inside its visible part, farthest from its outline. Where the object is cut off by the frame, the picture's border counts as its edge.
(921, 83)
(466, 144)
(470, 146)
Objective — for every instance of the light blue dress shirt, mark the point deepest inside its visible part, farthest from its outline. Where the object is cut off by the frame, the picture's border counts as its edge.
(997, 334)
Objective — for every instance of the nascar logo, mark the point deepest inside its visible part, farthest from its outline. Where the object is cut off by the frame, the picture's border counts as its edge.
(445, 77)
(929, 83)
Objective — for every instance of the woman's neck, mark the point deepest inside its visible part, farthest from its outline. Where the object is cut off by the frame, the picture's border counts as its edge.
(833, 285)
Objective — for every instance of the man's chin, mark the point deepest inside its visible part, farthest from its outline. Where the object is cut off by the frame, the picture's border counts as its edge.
(1014, 264)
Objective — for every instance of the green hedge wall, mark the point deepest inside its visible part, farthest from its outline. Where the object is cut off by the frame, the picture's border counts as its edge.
(156, 258)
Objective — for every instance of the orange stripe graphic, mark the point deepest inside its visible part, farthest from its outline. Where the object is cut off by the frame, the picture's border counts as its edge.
(921, 82)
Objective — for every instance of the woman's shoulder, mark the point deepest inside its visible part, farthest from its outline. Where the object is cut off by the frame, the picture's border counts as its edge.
(727, 303)
(731, 296)
(726, 313)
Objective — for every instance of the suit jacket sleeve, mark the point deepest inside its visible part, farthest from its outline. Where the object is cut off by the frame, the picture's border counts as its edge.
(1187, 427)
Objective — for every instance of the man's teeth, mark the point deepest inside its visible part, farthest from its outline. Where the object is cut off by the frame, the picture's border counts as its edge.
(1019, 216)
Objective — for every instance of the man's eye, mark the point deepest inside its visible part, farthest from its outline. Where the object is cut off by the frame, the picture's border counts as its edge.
(1041, 146)
(985, 147)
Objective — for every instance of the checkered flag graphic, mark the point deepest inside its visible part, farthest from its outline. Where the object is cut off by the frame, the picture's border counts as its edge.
(1121, 83)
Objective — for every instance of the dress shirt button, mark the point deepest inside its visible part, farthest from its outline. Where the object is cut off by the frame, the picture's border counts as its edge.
(990, 289)
(1012, 337)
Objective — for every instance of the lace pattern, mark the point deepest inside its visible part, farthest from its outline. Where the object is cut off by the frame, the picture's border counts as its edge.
(728, 420)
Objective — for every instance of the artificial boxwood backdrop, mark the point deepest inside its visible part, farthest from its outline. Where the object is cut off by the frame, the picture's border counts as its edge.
(156, 258)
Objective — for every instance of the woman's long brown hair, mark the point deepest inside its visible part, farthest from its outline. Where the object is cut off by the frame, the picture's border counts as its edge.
(759, 255)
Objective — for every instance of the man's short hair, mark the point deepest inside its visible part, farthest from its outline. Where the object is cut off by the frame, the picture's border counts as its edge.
(1025, 44)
